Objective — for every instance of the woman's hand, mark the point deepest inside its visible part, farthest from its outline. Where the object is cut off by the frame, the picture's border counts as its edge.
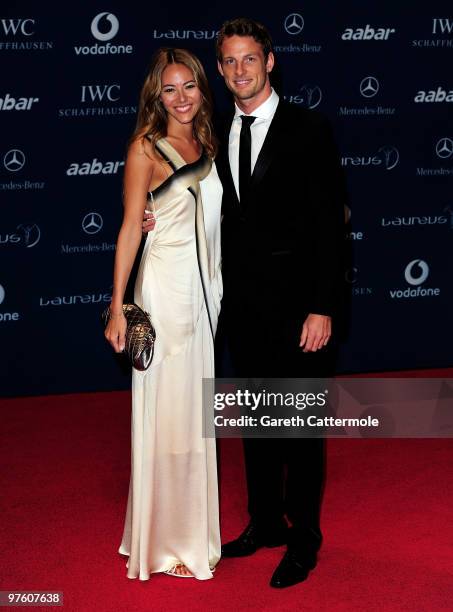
(148, 222)
(115, 332)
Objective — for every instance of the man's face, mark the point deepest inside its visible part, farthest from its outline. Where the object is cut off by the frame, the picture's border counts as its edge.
(244, 68)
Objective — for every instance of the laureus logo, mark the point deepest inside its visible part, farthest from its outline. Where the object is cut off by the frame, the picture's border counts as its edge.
(311, 95)
(390, 155)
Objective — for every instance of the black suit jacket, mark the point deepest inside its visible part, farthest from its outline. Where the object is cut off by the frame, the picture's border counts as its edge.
(282, 249)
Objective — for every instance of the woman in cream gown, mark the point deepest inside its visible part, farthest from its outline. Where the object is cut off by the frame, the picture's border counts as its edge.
(172, 517)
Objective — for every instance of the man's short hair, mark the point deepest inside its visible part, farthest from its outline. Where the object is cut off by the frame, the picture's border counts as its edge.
(244, 27)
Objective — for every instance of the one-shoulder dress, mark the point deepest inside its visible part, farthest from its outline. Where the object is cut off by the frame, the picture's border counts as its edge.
(172, 511)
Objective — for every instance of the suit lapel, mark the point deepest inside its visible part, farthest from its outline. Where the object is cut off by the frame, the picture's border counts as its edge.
(224, 162)
(269, 148)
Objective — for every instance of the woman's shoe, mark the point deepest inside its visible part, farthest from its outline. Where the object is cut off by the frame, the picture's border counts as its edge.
(172, 572)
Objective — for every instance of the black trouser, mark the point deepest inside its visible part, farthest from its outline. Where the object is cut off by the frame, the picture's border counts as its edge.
(285, 476)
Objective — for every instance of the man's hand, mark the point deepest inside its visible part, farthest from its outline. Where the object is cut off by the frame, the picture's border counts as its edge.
(148, 222)
(316, 332)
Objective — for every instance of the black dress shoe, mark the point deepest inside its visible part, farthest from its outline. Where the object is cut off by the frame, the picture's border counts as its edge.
(292, 569)
(253, 538)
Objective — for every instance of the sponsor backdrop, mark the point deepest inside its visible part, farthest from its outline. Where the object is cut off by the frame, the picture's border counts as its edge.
(68, 99)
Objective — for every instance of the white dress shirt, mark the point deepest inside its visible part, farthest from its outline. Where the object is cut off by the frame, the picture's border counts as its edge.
(259, 128)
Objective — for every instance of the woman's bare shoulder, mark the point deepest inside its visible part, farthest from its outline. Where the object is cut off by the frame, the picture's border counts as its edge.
(141, 147)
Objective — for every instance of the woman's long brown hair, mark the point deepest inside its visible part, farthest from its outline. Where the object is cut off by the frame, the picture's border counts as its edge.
(152, 118)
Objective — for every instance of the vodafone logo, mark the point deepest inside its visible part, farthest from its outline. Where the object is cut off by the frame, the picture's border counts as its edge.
(2, 294)
(104, 27)
(113, 25)
(416, 272)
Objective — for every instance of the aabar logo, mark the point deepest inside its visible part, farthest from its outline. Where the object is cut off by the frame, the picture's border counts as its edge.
(434, 95)
(94, 167)
(367, 33)
(8, 102)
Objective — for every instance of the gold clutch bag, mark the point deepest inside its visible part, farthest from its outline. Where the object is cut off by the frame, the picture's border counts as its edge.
(140, 335)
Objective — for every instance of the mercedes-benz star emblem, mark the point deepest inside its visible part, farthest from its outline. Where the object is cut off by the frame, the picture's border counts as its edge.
(369, 87)
(14, 160)
(312, 95)
(294, 23)
(92, 223)
(444, 148)
(111, 33)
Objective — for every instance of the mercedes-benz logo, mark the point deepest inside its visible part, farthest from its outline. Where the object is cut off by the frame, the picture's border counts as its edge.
(294, 23)
(2, 294)
(312, 95)
(111, 33)
(423, 271)
(391, 156)
(14, 160)
(369, 86)
(32, 234)
(444, 148)
(92, 223)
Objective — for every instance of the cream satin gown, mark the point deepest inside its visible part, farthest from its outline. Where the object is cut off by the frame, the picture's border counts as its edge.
(172, 510)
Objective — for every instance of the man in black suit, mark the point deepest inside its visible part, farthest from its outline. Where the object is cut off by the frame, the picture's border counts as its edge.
(281, 265)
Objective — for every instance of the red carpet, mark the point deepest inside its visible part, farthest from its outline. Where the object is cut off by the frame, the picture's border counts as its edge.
(387, 520)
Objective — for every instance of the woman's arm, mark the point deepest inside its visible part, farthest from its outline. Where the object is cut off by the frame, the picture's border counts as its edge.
(137, 178)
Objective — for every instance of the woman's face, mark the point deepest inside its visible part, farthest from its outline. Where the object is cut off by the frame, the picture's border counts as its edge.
(180, 93)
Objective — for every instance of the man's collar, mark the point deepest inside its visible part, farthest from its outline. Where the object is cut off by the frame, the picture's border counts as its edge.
(264, 110)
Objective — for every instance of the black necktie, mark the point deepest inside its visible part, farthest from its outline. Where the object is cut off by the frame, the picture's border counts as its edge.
(245, 152)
